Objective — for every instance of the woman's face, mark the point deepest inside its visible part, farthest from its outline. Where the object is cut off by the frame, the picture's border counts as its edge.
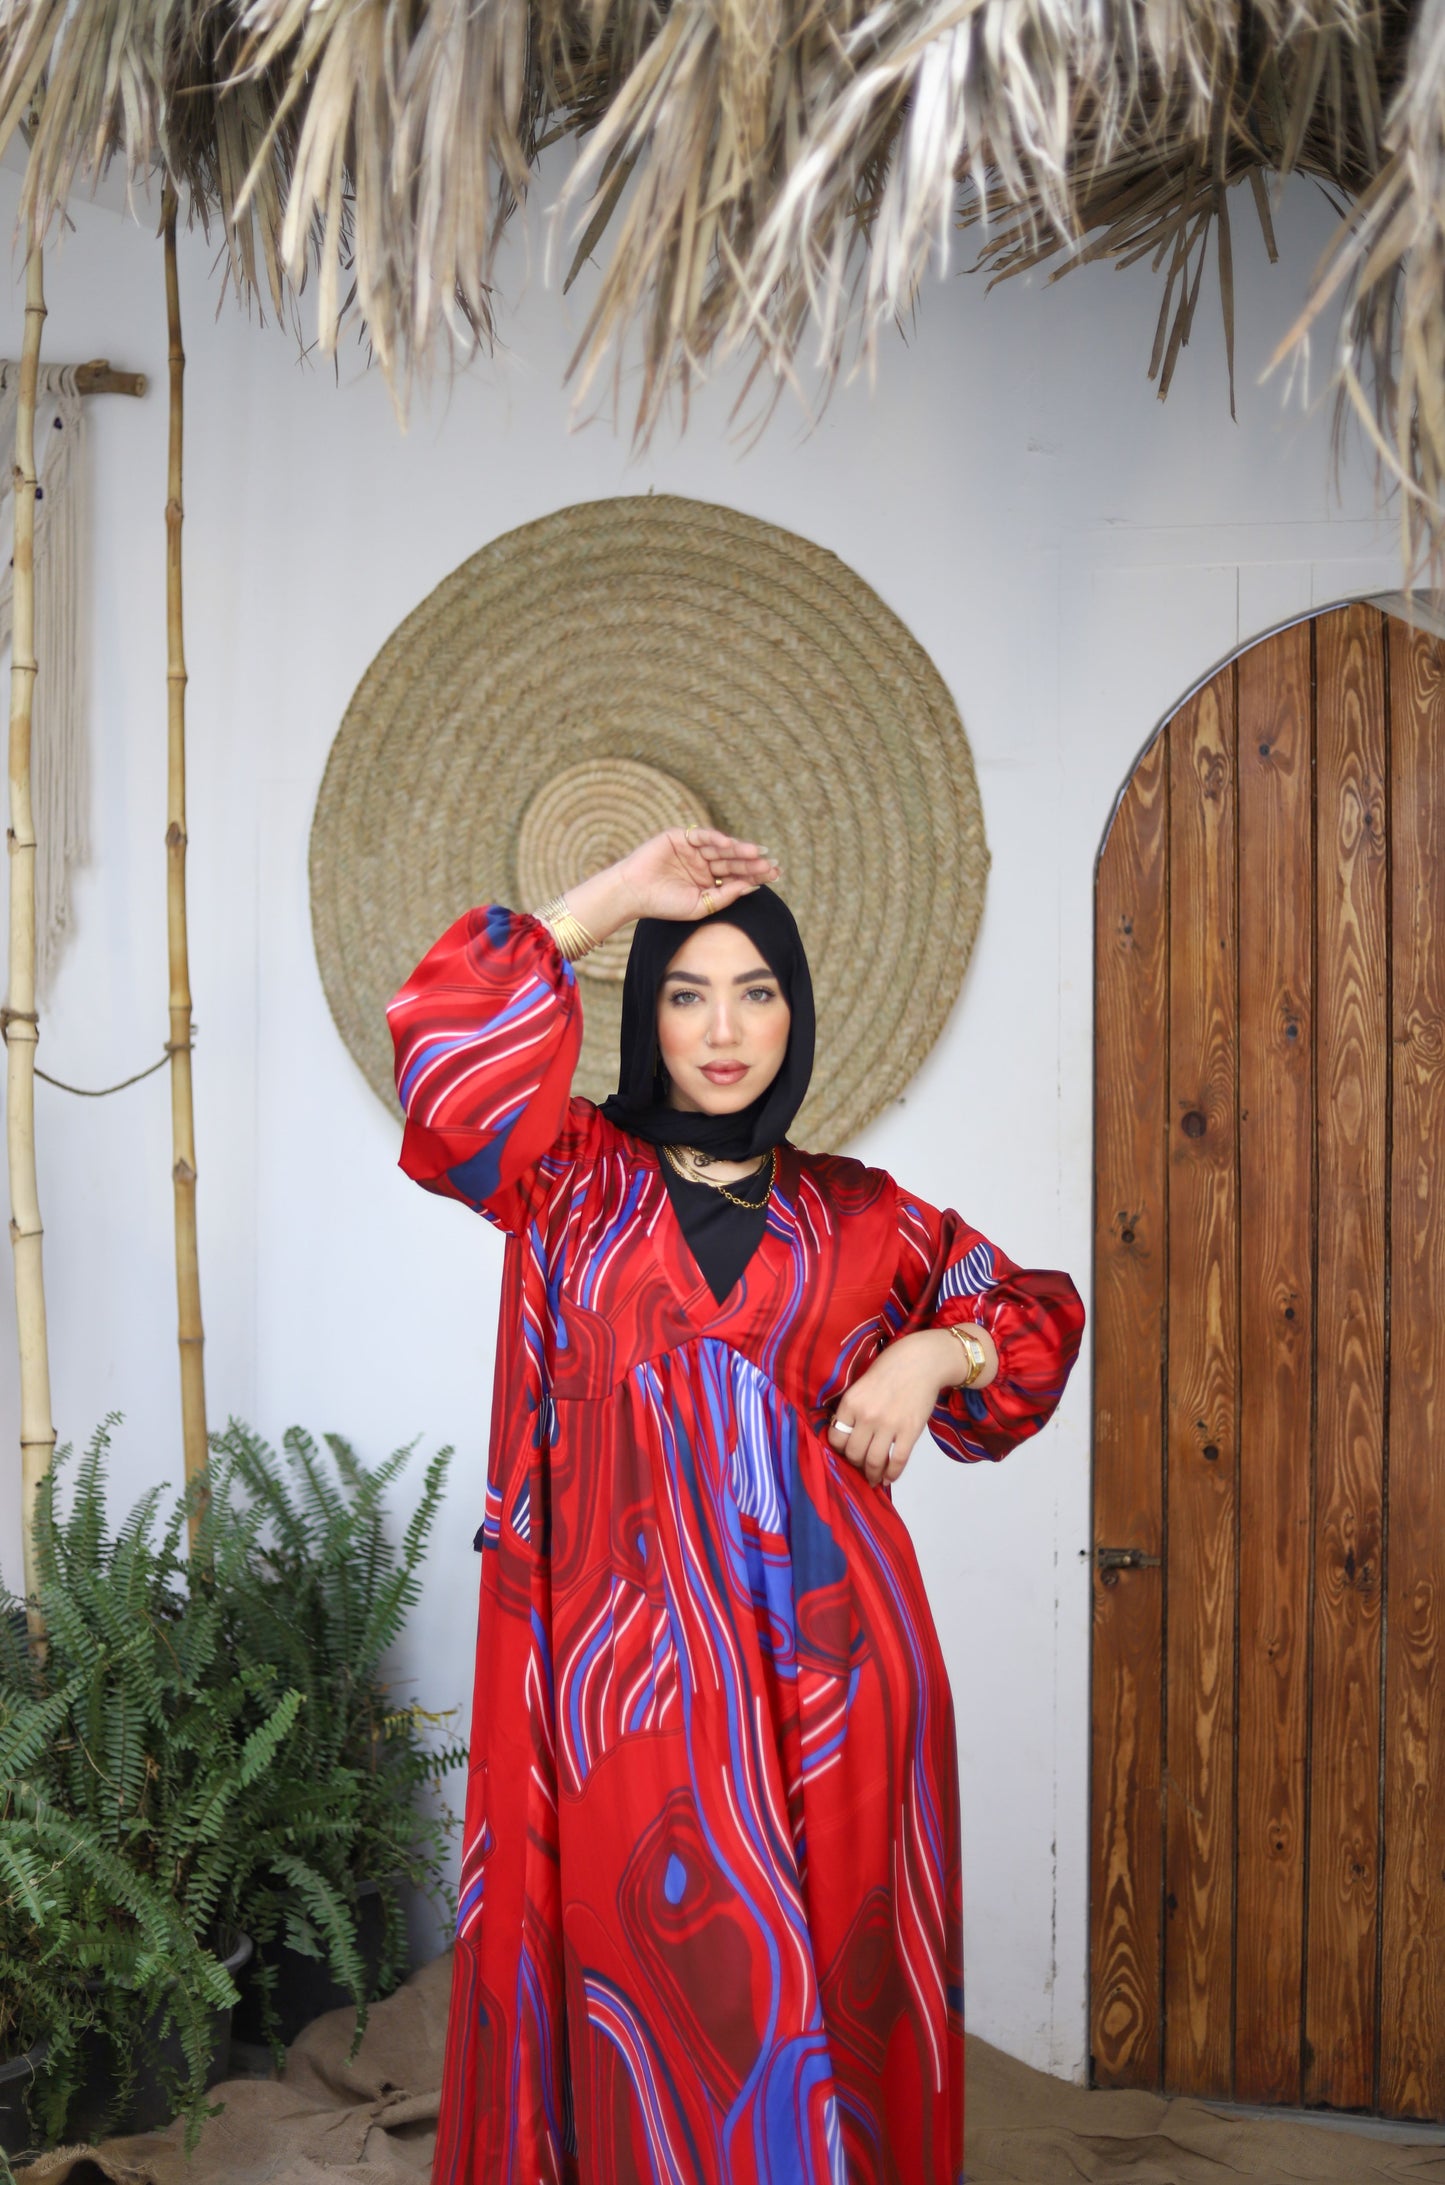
(722, 1022)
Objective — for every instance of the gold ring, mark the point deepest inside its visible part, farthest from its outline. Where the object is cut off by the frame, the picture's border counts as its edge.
(708, 905)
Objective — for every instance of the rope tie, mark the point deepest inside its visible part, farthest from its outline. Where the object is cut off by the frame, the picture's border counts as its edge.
(94, 1092)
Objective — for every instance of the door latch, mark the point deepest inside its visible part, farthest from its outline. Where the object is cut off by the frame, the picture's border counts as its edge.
(1109, 1561)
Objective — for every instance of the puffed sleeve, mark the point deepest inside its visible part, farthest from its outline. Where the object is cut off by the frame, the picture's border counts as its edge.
(487, 1031)
(947, 1273)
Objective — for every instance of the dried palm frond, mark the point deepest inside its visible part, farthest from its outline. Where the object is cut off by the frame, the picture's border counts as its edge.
(147, 83)
(414, 132)
(1023, 114)
(1070, 129)
(1389, 261)
(1305, 98)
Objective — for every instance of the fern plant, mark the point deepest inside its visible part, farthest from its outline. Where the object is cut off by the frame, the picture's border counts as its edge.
(207, 1743)
(326, 1597)
(134, 1758)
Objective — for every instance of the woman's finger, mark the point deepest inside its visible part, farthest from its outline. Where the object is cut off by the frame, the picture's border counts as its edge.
(871, 1443)
(752, 869)
(723, 892)
(855, 1446)
(709, 839)
(727, 867)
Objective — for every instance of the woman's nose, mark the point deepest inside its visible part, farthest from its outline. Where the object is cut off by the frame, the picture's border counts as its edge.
(720, 1032)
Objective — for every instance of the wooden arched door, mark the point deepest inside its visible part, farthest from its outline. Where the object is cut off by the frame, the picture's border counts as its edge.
(1268, 1742)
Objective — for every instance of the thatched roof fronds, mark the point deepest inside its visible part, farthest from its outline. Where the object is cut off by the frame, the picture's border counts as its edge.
(1303, 94)
(1075, 132)
(148, 83)
(414, 139)
(773, 175)
(1389, 259)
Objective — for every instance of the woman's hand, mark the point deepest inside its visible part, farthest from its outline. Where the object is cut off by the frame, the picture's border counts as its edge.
(888, 1406)
(668, 876)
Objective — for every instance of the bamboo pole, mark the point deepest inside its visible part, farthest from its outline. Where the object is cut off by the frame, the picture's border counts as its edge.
(21, 1023)
(183, 1128)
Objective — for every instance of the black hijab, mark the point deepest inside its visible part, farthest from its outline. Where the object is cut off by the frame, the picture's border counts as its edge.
(639, 1104)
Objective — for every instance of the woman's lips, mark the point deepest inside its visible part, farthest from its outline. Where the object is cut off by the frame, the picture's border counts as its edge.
(724, 1073)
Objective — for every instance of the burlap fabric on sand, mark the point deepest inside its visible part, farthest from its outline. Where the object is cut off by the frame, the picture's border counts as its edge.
(632, 664)
(329, 2120)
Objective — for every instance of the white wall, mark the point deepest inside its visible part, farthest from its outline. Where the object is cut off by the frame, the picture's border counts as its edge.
(1073, 554)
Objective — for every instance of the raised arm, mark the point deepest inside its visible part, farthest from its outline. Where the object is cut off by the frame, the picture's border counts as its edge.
(685, 872)
(488, 1027)
(486, 1033)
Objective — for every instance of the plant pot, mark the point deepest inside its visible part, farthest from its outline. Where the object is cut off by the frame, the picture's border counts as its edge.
(305, 1988)
(150, 2105)
(16, 2073)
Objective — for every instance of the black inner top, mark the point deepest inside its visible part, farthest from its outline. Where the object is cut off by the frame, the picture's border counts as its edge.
(722, 1237)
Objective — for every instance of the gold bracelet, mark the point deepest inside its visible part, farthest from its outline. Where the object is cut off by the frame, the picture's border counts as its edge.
(571, 936)
(974, 1352)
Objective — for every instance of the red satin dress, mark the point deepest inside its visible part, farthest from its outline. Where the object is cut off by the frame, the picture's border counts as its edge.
(710, 1917)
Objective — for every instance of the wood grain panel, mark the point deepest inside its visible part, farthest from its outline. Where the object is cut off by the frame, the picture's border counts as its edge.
(1130, 1125)
(1276, 1222)
(1412, 2058)
(1203, 1359)
(1351, 1063)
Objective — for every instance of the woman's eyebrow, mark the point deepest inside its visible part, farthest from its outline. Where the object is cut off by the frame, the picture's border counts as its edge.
(744, 978)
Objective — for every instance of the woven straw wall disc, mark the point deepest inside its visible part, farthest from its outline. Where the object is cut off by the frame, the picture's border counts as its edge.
(630, 664)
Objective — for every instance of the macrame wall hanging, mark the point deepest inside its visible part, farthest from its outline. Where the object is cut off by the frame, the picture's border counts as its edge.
(627, 665)
(60, 769)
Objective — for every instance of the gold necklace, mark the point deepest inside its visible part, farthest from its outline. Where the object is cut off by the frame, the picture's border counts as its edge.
(693, 1175)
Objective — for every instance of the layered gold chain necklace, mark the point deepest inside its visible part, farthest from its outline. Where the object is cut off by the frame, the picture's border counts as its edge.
(698, 1161)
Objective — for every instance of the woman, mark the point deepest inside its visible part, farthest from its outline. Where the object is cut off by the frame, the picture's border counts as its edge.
(710, 1926)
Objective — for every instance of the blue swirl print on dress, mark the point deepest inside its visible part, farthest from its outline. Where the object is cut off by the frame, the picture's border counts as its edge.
(782, 2132)
(613, 2014)
(489, 1533)
(477, 1178)
(782, 1221)
(664, 1656)
(542, 1657)
(795, 2069)
(597, 1257)
(473, 1879)
(543, 2020)
(619, 1676)
(474, 1036)
(969, 1276)
(758, 1433)
(573, 1685)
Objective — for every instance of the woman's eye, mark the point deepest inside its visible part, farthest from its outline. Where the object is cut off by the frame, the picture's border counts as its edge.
(761, 993)
(682, 994)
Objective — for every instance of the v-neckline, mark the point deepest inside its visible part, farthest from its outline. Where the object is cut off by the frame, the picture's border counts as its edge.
(675, 1254)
